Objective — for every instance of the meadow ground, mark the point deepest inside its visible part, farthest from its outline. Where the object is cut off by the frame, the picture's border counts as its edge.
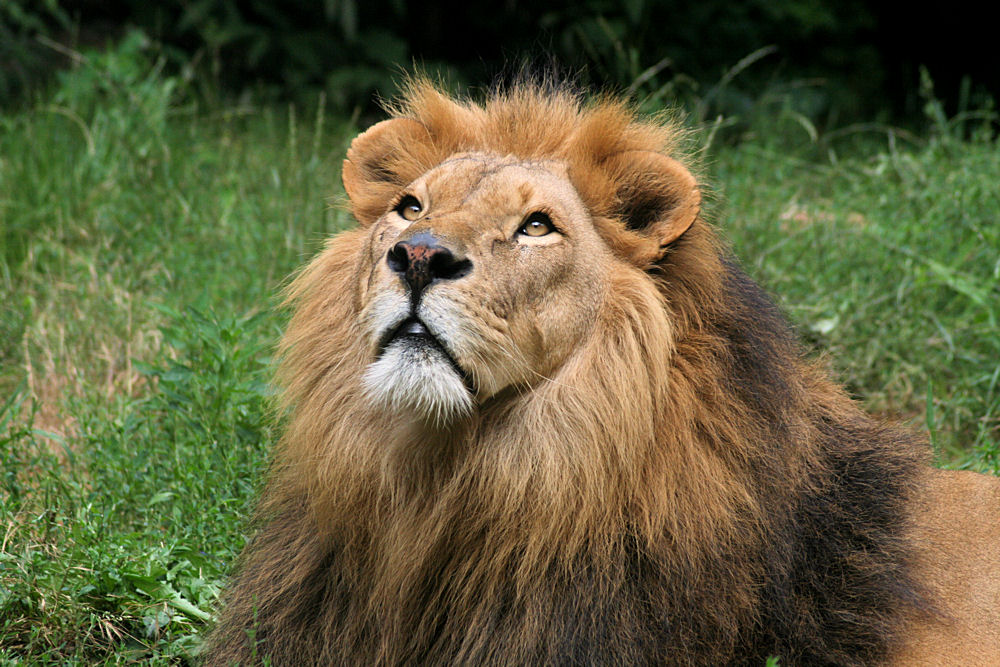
(143, 241)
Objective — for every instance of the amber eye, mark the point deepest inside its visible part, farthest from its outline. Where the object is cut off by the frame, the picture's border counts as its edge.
(409, 208)
(537, 224)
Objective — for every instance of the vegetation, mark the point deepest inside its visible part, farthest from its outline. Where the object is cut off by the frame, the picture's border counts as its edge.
(848, 59)
(143, 238)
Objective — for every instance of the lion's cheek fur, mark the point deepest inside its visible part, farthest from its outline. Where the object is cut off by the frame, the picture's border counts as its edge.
(549, 302)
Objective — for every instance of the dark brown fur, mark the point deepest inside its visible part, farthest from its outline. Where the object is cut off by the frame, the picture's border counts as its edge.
(694, 492)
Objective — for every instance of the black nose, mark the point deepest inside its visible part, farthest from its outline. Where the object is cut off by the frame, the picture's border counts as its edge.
(423, 259)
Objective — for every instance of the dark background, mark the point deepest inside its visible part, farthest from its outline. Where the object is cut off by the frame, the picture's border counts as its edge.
(846, 59)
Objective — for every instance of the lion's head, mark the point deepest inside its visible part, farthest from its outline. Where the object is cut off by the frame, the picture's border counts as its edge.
(487, 260)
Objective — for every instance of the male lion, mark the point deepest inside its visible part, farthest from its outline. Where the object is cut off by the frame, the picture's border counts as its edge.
(537, 415)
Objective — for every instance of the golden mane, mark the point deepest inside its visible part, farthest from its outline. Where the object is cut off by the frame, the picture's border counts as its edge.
(678, 459)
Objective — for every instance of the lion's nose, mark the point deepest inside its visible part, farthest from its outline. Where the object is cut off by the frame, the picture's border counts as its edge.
(422, 259)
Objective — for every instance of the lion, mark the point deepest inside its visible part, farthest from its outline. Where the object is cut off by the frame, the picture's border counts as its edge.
(537, 414)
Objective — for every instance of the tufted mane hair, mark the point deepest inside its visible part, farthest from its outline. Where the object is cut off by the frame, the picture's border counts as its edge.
(530, 120)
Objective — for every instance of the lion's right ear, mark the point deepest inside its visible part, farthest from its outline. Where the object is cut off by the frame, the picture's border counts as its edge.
(375, 166)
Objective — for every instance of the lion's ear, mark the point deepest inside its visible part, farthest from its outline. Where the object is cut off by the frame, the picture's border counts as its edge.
(657, 199)
(374, 169)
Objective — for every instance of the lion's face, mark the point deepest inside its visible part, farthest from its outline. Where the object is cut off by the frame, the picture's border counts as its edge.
(487, 262)
(480, 277)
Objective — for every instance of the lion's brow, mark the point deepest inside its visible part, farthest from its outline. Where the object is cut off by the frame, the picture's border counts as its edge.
(496, 169)
(479, 184)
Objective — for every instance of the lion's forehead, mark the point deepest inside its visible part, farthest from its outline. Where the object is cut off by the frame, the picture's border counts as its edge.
(502, 184)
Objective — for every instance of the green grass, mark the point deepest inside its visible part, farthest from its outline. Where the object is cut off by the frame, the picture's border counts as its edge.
(142, 241)
(889, 264)
(141, 246)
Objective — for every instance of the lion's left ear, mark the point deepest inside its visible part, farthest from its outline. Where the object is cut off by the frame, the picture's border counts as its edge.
(378, 164)
(657, 199)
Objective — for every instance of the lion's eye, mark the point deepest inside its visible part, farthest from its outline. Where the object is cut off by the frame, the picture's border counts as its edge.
(537, 224)
(409, 208)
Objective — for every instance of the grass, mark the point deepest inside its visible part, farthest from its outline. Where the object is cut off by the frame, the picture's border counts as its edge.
(141, 245)
(889, 264)
(142, 241)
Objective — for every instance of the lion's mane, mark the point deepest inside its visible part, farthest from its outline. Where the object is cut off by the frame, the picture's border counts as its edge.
(687, 489)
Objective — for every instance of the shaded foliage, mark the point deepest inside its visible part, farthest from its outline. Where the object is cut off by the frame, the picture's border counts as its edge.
(846, 59)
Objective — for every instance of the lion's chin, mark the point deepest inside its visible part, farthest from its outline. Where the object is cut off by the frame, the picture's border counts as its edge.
(411, 376)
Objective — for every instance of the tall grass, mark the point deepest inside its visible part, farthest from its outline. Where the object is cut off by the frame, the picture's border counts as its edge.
(142, 240)
(889, 263)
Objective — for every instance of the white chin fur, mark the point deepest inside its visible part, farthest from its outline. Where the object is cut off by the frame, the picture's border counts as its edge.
(417, 378)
